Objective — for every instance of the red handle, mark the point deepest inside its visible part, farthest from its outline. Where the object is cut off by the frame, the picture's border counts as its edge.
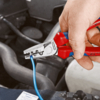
(60, 39)
(92, 51)
(66, 51)
(96, 23)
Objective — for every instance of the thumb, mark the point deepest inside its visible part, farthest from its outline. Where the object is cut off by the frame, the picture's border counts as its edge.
(77, 34)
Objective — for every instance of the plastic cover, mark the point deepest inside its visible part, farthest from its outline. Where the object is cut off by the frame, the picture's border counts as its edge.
(10, 7)
(43, 9)
(78, 78)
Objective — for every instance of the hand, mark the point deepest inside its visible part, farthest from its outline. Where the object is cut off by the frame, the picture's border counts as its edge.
(76, 17)
(93, 37)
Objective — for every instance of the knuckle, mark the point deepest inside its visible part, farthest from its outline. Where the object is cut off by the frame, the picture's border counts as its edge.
(76, 44)
(73, 43)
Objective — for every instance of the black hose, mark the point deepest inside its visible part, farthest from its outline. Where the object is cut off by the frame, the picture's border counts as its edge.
(18, 71)
(18, 32)
(21, 73)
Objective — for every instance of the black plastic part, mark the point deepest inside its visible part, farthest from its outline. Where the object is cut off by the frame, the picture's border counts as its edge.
(68, 60)
(4, 29)
(61, 84)
(19, 33)
(69, 98)
(32, 32)
(19, 72)
(79, 94)
(10, 7)
(46, 28)
(50, 67)
(88, 97)
(44, 9)
(13, 94)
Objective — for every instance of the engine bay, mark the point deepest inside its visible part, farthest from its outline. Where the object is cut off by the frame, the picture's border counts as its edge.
(24, 24)
(19, 31)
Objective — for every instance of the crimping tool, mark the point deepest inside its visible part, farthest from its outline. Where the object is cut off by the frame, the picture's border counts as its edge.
(56, 47)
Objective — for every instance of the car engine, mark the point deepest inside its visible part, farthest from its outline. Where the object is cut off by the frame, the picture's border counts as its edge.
(25, 23)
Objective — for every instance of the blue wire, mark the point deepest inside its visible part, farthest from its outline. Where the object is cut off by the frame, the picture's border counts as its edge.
(34, 78)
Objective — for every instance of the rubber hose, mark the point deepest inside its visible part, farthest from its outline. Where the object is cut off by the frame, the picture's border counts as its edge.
(18, 33)
(19, 72)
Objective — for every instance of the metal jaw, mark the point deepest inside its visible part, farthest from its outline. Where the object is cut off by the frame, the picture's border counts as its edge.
(41, 50)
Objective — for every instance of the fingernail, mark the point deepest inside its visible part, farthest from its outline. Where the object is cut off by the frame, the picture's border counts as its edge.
(77, 55)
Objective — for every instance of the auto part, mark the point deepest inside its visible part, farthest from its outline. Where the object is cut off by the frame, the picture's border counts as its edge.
(19, 72)
(78, 78)
(43, 10)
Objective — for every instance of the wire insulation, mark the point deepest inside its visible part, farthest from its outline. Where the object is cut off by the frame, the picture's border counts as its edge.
(34, 78)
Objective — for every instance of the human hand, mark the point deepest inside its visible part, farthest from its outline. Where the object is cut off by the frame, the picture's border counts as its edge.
(92, 37)
(76, 18)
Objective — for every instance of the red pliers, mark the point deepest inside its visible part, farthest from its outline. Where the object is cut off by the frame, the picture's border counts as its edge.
(56, 47)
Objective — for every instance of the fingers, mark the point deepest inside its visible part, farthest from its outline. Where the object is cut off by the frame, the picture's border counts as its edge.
(77, 34)
(95, 58)
(77, 31)
(95, 39)
(63, 20)
(76, 20)
(88, 63)
(94, 36)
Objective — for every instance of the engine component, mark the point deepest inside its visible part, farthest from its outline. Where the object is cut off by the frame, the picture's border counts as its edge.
(21, 73)
(13, 94)
(19, 33)
(53, 32)
(78, 78)
(5, 79)
(46, 13)
(46, 28)
(80, 95)
(50, 67)
(18, 20)
(30, 32)
(61, 85)
(4, 29)
(11, 7)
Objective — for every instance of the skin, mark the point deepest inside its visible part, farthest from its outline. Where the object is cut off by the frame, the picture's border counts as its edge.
(76, 18)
